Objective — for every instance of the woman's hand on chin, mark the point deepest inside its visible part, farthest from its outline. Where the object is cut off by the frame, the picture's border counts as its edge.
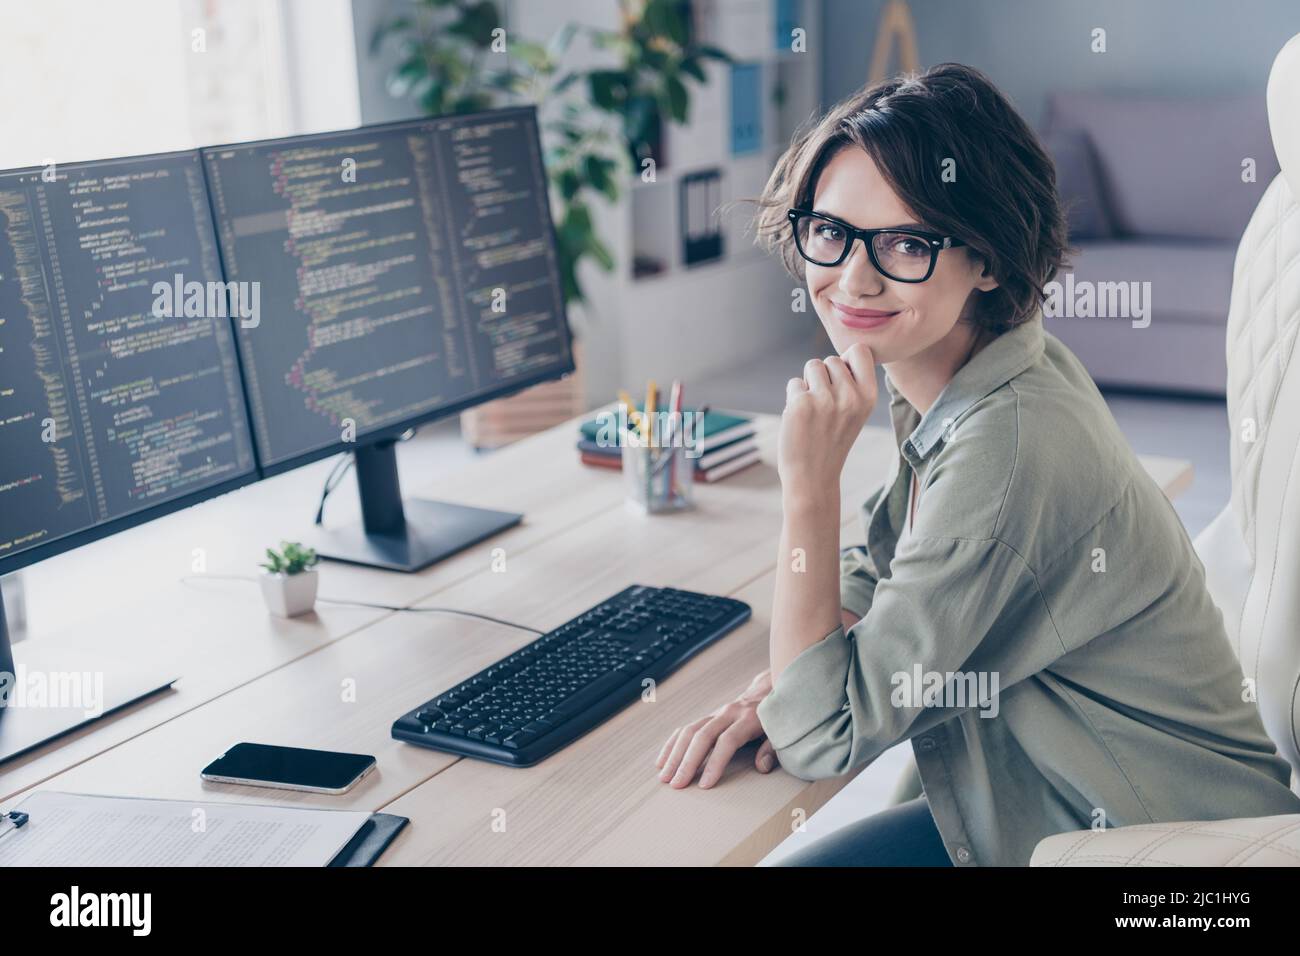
(824, 414)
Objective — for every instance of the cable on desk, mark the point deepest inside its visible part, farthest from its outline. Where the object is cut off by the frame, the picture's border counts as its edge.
(332, 481)
(439, 610)
(381, 607)
(337, 473)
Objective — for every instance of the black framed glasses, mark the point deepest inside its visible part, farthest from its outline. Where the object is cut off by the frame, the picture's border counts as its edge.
(904, 255)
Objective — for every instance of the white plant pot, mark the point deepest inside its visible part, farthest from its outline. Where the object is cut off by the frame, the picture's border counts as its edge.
(288, 595)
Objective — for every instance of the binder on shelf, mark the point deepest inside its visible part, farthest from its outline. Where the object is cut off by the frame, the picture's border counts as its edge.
(788, 16)
(746, 108)
(700, 196)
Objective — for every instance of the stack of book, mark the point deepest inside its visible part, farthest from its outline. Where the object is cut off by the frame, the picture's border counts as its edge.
(727, 444)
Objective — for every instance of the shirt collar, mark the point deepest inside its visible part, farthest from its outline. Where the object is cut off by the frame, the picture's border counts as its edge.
(988, 370)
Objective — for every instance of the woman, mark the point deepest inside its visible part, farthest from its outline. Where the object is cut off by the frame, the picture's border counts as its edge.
(1028, 610)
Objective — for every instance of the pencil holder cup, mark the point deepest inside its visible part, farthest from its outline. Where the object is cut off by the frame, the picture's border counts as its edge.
(658, 478)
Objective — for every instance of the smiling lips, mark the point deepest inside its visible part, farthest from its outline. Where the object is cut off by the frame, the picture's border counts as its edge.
(862, 318)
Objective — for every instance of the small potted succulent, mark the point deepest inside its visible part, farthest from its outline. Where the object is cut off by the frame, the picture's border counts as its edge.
(289, 584)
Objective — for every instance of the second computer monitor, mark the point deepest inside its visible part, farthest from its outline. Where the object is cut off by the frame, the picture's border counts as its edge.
(402, 272)
(120, 394)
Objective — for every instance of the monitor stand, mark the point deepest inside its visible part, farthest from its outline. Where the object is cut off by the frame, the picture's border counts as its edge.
(403, 535)
(108, 686)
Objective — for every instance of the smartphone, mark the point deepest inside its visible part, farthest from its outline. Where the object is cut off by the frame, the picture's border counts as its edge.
(289, 768)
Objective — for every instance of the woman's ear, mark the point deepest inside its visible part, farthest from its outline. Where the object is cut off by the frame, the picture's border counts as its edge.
(985, 281)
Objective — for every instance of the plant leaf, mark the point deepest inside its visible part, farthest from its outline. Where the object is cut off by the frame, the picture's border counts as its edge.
(608, 88)
(389, 28)
(691, 67)
(600, 252)
(678, 99)
(560, 40)
(713, 53)
(477, 23)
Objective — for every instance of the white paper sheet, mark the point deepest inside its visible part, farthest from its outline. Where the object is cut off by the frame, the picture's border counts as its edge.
(74, 829)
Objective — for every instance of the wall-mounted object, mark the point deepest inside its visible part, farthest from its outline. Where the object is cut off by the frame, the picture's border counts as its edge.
(895, 25)
(746, 108)
(788, 17)
(700, 195)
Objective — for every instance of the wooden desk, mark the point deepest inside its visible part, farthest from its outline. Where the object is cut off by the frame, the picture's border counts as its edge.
(337, 679)
(130, 600)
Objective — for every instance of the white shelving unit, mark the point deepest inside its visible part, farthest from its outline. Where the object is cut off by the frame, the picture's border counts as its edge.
(689, 321)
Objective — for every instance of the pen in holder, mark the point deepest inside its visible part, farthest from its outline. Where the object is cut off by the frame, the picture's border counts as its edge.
(658, 477)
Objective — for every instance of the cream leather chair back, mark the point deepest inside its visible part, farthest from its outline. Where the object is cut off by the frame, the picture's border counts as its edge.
(1251, 551)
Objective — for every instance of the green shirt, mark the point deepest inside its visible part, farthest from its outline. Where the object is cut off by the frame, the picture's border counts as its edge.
(1042, 635)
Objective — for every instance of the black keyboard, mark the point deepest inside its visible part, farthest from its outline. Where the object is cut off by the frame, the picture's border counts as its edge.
(526, 706)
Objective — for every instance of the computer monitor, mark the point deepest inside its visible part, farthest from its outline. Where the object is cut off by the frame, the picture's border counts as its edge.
(406, 272)
(120, 395)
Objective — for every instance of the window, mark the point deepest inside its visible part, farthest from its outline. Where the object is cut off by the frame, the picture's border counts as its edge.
(82, 79)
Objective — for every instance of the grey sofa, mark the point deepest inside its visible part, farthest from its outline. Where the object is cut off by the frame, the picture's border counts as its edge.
(1156, 195)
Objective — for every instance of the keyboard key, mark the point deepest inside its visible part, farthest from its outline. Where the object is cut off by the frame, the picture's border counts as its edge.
(519, 738)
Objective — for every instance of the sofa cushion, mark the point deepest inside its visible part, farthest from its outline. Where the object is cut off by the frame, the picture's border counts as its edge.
(1173, 166)
(1191, 280)
(1079, 183)
(1184, 357)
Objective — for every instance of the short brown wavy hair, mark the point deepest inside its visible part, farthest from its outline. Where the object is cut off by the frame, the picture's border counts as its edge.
(1003, 201)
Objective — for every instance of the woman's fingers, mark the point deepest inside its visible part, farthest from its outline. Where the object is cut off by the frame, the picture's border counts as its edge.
(838, 373)
(707, 746)
(703, 742)
(862, 363)
(729, 741)
(814, 373)
(667, 747)
(678, 752)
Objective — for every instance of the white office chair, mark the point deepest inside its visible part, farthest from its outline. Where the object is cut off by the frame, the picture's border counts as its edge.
(1251, 551)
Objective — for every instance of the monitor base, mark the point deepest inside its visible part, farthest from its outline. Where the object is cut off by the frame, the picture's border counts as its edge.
(432, 530)
(101, 685)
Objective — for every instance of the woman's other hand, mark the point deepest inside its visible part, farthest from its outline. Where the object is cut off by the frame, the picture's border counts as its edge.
(712, 741)
(824, 414)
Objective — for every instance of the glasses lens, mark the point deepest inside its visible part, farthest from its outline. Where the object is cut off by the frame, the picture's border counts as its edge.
(820, 240)
(902, 255)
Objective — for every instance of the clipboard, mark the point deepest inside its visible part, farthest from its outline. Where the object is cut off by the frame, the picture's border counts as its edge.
(370, 841)
(98, 830)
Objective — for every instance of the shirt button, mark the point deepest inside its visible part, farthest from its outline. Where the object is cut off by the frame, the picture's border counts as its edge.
(963, 855)
(925, 744)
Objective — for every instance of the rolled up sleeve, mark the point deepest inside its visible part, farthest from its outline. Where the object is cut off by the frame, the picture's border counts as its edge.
(948, 605)
(858, 574)
(857, 580)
